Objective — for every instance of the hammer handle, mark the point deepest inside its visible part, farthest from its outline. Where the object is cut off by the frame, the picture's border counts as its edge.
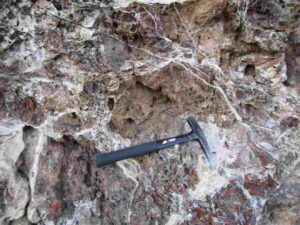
(139, 150)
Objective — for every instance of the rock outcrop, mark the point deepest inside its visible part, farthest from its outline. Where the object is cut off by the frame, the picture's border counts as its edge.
(82, 77)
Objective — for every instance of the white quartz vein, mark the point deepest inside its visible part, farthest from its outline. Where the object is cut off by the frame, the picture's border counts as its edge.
(34, 169)
(131, 169)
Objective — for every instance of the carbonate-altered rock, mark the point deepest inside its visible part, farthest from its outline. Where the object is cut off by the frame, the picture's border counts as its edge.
(283, 205)
(14, 195)
(84, 77)
(11, 143)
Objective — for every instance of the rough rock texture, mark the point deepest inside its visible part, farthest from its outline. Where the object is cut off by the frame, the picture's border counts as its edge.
(81, 77)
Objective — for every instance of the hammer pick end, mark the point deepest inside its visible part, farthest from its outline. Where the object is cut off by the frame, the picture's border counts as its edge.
(200, 137)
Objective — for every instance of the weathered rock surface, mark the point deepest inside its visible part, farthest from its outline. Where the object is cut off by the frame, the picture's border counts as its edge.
(81, 77)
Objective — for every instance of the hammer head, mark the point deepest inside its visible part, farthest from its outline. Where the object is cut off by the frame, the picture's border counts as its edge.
(198, 135)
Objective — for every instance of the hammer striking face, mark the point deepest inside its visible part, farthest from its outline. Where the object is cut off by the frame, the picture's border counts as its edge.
(154, 146)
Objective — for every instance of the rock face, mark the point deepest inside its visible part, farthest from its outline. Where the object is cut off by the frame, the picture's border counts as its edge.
(82, 77)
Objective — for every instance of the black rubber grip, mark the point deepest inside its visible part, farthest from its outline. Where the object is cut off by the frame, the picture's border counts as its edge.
(134, 151)
(138, 150)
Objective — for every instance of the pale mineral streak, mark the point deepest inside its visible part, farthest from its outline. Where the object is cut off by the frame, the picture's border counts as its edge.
(82, 77)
